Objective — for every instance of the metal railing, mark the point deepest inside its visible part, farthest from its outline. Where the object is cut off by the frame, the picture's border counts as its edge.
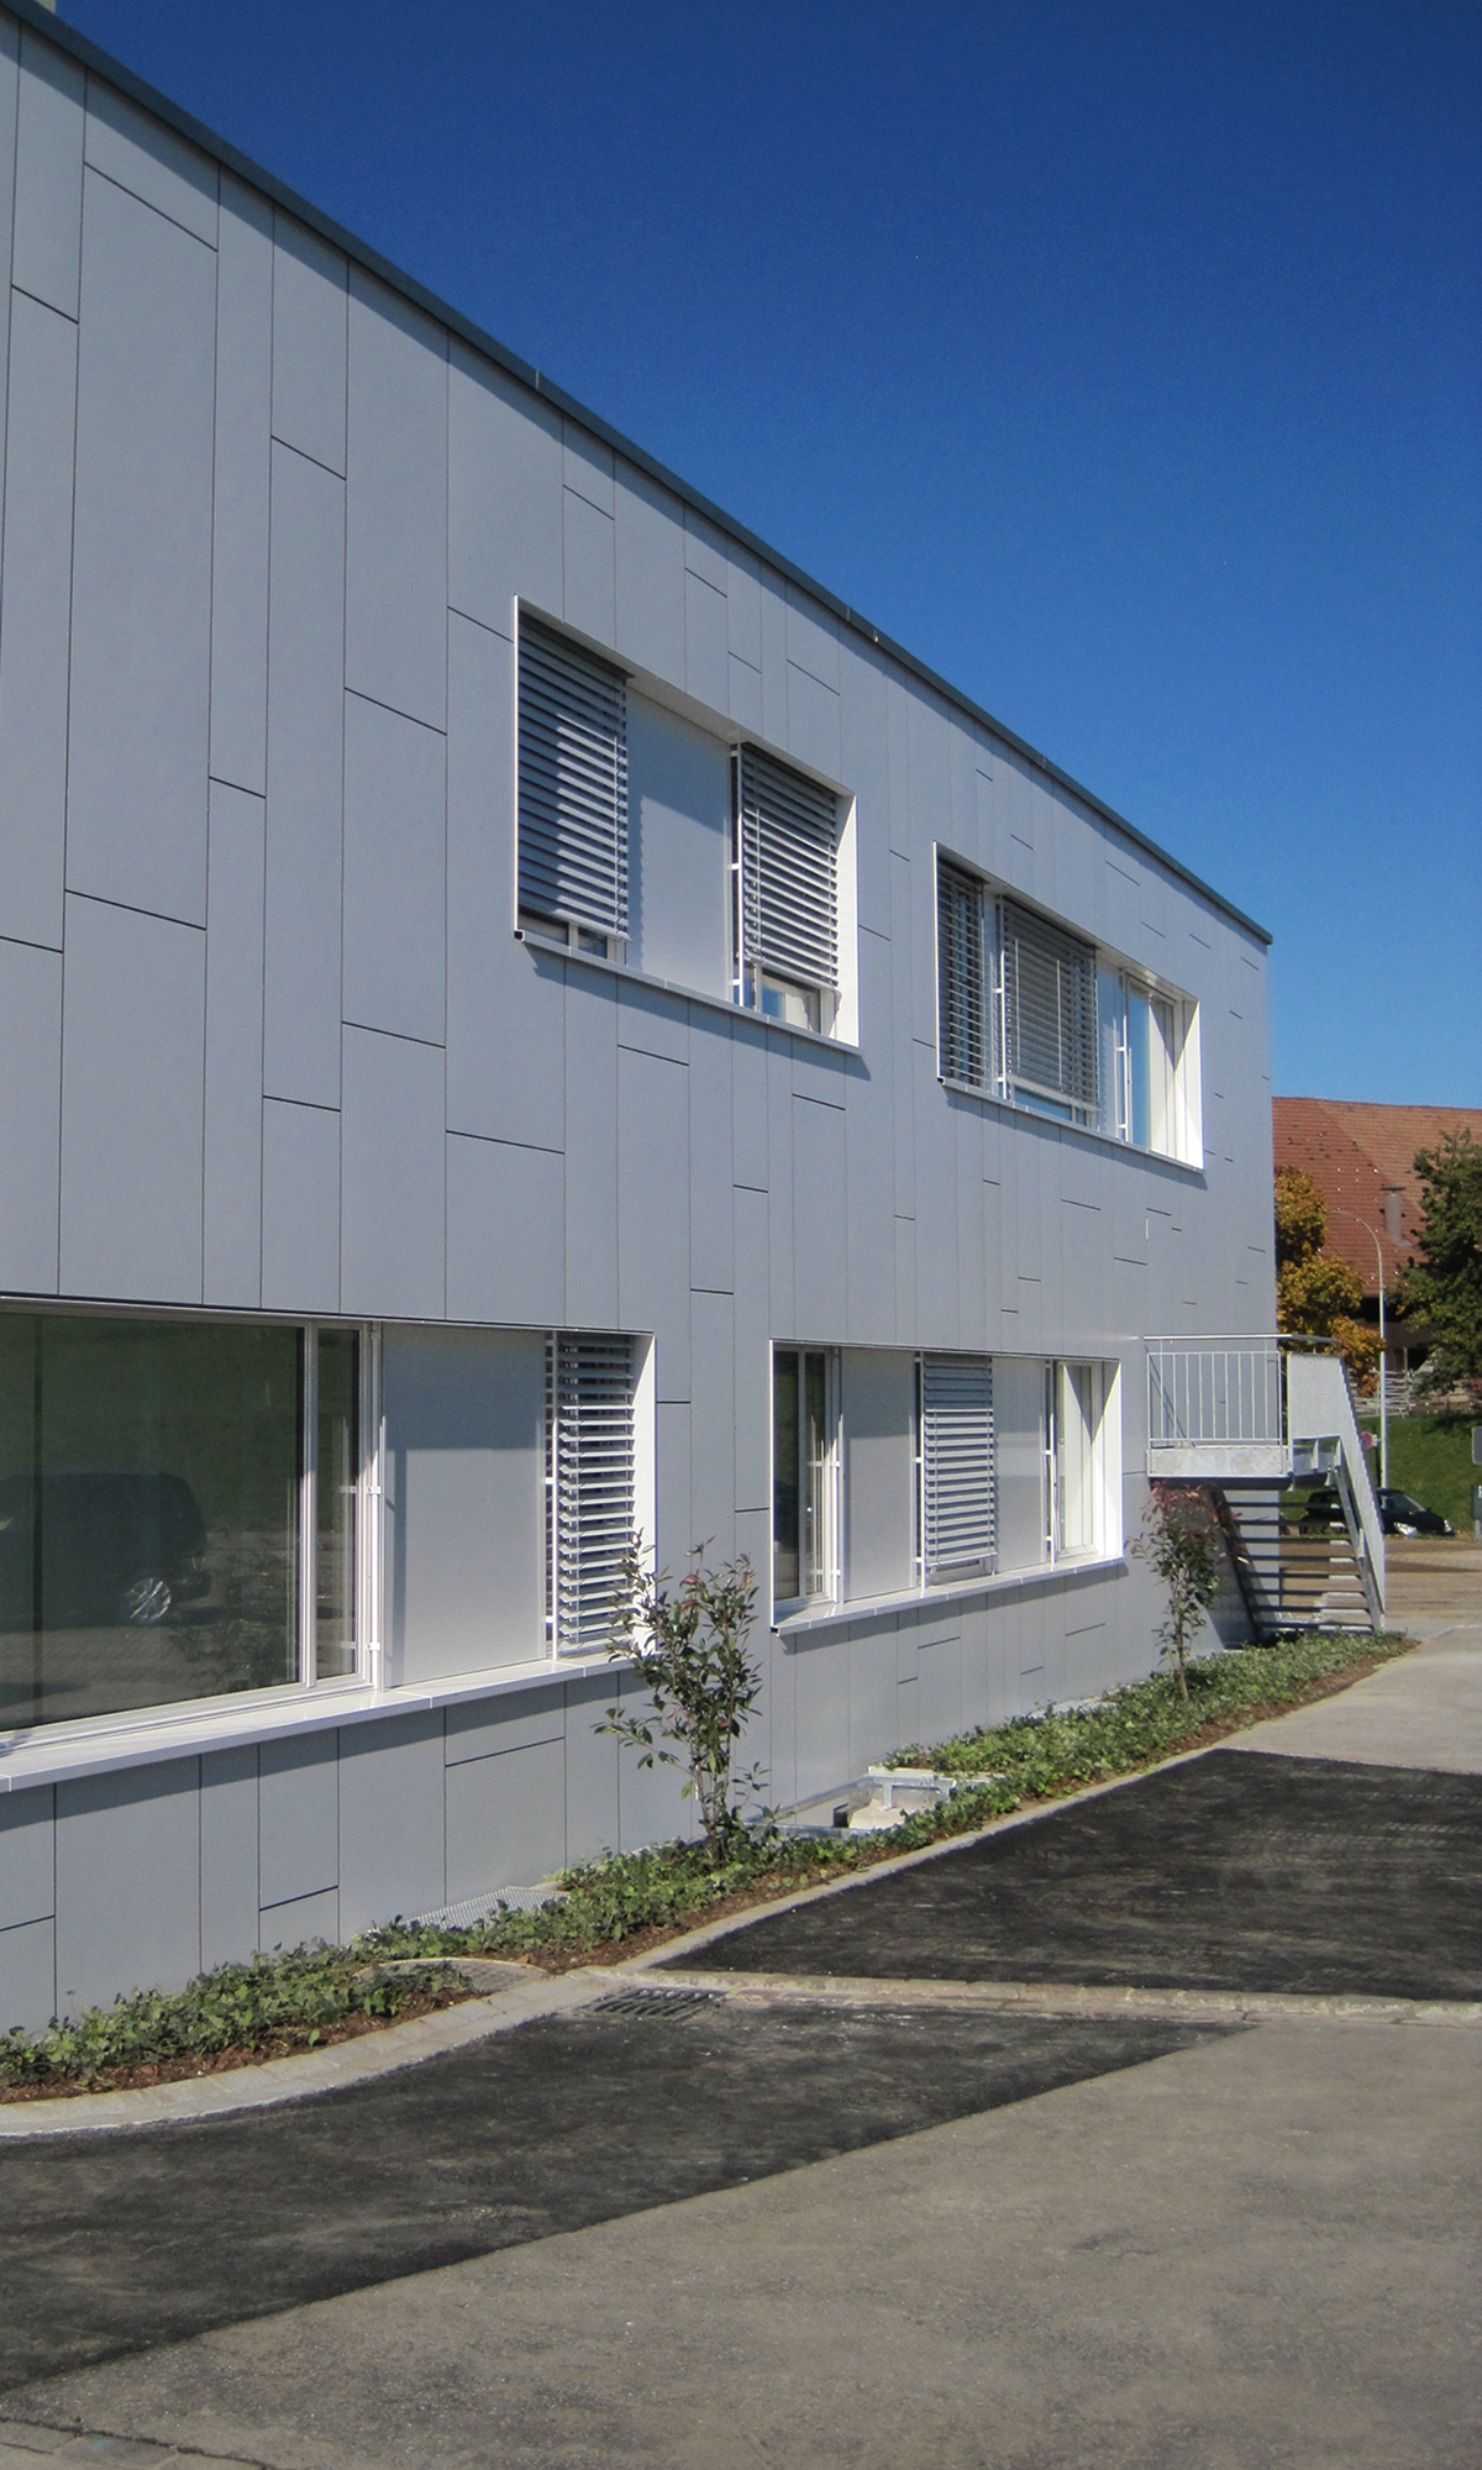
(1223, 1391)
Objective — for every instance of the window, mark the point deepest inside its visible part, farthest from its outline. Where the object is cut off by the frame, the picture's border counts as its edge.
(1029, 1013)
(804, 1459)
(573, 793)
(1081, 1511)
(958, 1485)
(1047, 1015)
(178, 1511)
(787, 940)
(591, 1485)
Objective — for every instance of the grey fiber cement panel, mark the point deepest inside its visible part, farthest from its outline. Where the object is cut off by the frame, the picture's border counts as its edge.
(139, 725)
(30, 1117)
(35, 639)
(396, 576)
(128, 1882)
(133, 1039)
(234, 1107)
(392, 1780)
(504, 494)
(241, 490)
(300, 1208)
(395, 880)
(298, 1818)
(28, 1976)
(504, 1204)
(393, 1221)
(229, 1893)
(310, 310)
(47, 238)
(506, 1819)
(306, 731)
(139, 154)
(28, 1856)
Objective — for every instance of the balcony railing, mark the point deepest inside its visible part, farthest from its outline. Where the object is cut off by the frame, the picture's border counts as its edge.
(1222, 1392)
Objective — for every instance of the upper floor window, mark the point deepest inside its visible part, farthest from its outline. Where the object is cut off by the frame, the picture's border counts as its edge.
(787, 935)
(1033, 1014)
(573, 818)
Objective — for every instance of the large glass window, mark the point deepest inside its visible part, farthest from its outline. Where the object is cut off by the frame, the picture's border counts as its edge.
(156, 1477)
(803, 1459)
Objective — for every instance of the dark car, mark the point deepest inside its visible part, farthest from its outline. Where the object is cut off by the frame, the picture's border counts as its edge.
(1322, 1510)
(1403, 1515)
(95, 1544)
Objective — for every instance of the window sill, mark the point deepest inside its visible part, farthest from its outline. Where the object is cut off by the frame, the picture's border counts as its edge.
(1082, 1132)
(552, 950)
(60, 1755)
(816, 1617)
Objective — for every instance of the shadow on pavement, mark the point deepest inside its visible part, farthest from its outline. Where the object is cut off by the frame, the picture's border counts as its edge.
(1236, 1871)
(119, 2242)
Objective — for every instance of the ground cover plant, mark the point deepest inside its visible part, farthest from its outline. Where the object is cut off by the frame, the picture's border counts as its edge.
(614, 1906)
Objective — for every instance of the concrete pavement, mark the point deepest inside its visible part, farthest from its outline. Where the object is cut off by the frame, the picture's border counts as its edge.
(1245, 2248)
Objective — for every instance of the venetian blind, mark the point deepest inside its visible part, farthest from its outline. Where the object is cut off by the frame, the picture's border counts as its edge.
(962, 1012)
(789, 851)
(959, 1523)
(1049, 1008)
(592, 1488)
(573, 784)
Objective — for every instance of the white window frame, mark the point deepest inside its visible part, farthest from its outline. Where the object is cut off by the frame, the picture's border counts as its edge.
(828, 1551)
(788, 993)
(1099, 1440)
(1117, 981)
(935, 1570)
(580, 928)
(641, 1441)
(229, 1707)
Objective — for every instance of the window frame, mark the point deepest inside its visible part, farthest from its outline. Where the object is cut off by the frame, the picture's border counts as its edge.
(818, 1483)
(934, 1572)
(559, 1646)
(365, 1563)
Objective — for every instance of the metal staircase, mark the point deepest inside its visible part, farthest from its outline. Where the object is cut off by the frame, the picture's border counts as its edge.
(1244, 1417)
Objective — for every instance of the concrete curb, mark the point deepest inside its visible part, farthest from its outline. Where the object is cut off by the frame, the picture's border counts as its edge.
(1063, 1998)
(452, 2028)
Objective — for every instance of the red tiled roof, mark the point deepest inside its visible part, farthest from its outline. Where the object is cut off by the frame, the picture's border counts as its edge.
(1355, 1153)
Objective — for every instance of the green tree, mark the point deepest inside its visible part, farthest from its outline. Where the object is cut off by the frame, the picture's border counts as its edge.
(1182, 1545)
(1442, 1285)
(1317, 1294)
(689, 1643)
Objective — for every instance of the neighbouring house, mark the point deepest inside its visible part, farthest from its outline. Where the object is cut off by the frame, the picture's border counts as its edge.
(1362, 1159)
(525, 1022)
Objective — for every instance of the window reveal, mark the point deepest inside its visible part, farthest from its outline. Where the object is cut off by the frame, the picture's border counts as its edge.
(803, 1457)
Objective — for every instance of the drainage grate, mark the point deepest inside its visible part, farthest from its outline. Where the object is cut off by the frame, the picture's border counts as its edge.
(655, 2002)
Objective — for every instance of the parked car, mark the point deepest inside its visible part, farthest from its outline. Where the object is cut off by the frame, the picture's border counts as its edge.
(1322, 1510)
(1401, 1514)
(98, 1545)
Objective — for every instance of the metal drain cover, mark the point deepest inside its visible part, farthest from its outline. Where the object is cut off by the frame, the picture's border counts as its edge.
(655, 2002)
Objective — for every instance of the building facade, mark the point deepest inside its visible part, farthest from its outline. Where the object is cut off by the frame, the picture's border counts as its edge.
(525, 1022)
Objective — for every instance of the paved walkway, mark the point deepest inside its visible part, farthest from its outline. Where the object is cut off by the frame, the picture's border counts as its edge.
(884, 2224)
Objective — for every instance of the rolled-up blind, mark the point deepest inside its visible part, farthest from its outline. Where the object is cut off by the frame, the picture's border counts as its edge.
(964, 1052)
(1049, 1008)
(592, 1509)
(573, 784)
(959, 1514)
(789, 856)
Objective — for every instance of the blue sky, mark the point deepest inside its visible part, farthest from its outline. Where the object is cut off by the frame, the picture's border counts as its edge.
(1123, 358)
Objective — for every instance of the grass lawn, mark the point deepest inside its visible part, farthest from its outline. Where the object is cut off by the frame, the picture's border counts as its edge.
(612, 1907)
(1431, 1457)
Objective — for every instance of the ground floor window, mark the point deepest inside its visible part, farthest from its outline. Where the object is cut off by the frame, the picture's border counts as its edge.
(804, 1456)
(178, 1511)
(591, 1484)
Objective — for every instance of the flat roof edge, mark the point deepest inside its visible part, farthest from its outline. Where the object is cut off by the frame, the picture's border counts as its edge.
(39, 20)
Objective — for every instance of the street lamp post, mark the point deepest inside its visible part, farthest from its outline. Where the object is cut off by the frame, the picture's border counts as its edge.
(1383, 1358)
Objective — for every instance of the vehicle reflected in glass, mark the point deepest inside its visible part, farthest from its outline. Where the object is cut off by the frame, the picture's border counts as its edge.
(86, 1545)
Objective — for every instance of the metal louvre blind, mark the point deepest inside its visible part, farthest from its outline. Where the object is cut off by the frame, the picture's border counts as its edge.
(573, 784)
(959, 1510)
(961, 987)
(789, 843)
(1049, 989)
(592, 1472)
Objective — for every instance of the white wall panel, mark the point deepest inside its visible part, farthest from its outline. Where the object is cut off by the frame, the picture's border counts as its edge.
(504, 494)
(750, 1044)
(506, 1008)
(712, 1225)
(239, 551)
(300, 1207)
(133, 1041)
(820, 1251)
(712, 1487)
(10, 78)
(649, 548)
(35, 619)
(47, 238)
(395, 948)
(589, 588)
(392, 1820)
(306, 754)
(706, 657)
(465, 1475)
(588, 467)
(753, 1390)
(654, 1211)
(229, 1905)
(591, 1152)
(679, 786)
(141, 597)
(141, 155)
(396, 560)
(813, 727)
(28, 1976)
(28, 1856)
(392, 1178)
(128, 1875)
(310, 309)
(878, 1408)
(506, 1824)
(744, 607)
(298, 1826)
(233, 1137)
(506, 1205)
(869, 1167)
